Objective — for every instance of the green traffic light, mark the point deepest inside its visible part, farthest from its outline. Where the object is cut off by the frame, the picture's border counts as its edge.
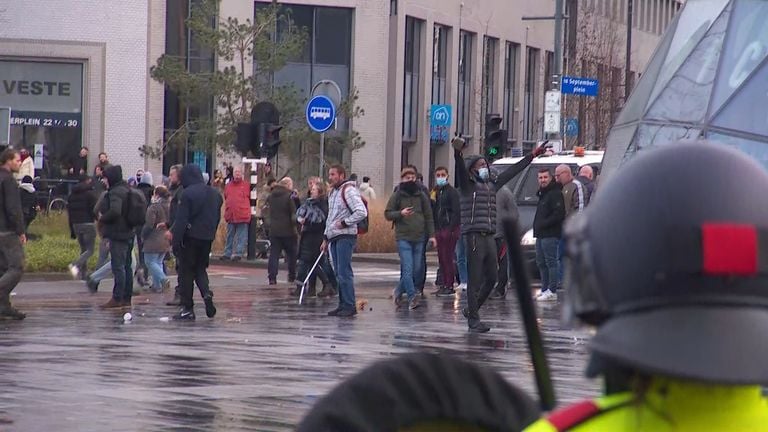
(493, 151)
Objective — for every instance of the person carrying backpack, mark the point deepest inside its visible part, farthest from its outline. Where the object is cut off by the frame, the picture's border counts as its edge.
(115, 210)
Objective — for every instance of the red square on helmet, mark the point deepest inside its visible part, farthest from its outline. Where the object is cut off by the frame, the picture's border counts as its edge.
(729, 249)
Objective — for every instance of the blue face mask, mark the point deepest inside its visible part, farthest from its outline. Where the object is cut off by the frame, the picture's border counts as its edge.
(441, 181)
(483, 173)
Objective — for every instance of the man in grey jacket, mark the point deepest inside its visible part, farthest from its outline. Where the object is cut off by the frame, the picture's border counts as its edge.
(478, 225)
(345, 211)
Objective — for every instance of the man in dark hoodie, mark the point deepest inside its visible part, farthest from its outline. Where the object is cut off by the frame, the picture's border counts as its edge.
(192, 233)
(120, 235)
(478, 225)
(80, 206)
(12, 237)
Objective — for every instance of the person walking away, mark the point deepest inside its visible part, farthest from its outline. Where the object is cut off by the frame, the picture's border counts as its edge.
(120, 235)
(282, 233)
(447, 213)
(237, 214)
(345, 210)
(28, 201)
(156, 246)
(367, 191)
(147, 187)
(176, 189)
(81, 205)
(27, 168)
(192, 234)
(478, 225)
(12, 234)
(311, 216)
(506, 209)
(548, 228)
(411, 212)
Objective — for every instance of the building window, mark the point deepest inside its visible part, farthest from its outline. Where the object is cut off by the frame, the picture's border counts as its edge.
(182, 44)
(510, 85)
(463, 120)
(441, 35)
(529, 103)
(490, 46)
(392, 7)
(413, 37)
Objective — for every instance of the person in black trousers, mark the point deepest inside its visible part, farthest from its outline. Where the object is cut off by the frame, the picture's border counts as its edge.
(311, 215)
(192, 234)
(282, 232)
(82, 223)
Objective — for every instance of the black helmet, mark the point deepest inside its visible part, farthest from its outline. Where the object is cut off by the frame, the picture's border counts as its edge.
(671, 262)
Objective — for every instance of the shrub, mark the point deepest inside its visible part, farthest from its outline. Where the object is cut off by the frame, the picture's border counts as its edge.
(381, 235)
(52, 248)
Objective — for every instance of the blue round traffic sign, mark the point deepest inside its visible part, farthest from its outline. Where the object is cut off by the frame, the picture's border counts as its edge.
(320, 113)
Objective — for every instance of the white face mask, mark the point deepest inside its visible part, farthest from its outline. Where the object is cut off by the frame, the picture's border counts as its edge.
(483, 173)
(155, 199)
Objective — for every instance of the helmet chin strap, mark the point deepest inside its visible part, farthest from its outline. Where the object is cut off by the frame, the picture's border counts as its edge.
(547, 399)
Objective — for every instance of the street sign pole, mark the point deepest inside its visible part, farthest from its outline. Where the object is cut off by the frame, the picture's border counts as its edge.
(336, 102)
(322, 154)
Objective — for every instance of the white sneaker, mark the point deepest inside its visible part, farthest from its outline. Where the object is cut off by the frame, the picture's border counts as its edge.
(463, 286)
(73, 270)
(547, 296)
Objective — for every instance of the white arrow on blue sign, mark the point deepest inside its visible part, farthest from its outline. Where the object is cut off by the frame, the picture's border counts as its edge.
(320, 113)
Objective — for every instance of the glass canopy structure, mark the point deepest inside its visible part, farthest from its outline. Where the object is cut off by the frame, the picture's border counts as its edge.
(708, 79)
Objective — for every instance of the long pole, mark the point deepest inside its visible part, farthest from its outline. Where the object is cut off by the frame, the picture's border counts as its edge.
(322, 153)
(628, 65)
(558, 45)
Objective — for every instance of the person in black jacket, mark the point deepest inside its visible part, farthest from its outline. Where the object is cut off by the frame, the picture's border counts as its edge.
(175, 188)
(311, 216)
(548, 228)
(12, 234)
(80, 207)
(478, 225)
(192, 233)
(282, 231)
(116, 229)
(446, 209)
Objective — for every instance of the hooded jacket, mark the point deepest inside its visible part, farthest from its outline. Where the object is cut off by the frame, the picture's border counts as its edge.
(550, 212)
(478, 196)
(367, 192)
(146, 186)
(237, 201)
(29, 201)
(154, 238)
(81, 203)
(199, 211)
(282, 212)
(113, 206)
(417, 227)
(11, 215)
(27, 168)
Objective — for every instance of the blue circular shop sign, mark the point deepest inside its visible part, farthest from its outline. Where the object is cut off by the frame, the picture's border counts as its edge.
(320, 113)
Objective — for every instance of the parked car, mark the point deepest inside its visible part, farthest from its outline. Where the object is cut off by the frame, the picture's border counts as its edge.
(525, 185)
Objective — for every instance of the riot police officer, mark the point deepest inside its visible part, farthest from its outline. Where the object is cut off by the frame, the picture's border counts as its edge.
(670, 262)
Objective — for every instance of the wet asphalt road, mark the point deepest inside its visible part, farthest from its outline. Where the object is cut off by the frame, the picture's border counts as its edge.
(258, 366)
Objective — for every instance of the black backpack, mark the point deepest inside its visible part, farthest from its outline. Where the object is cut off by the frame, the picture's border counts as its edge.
(135, 208)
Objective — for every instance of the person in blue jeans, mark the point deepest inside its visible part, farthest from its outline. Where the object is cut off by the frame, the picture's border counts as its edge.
(346, 210)
(410, 209)
(155, 243)
(461, 263)
(237, 214)
(548, 228)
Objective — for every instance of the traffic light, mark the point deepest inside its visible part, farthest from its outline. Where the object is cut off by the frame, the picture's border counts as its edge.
(261, 137)
(495, 138)
(269, 138)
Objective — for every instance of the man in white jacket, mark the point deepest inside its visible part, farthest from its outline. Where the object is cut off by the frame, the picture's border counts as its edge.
(345, 211)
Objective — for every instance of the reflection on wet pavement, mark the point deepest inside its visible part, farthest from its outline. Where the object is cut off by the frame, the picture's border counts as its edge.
(259, 365)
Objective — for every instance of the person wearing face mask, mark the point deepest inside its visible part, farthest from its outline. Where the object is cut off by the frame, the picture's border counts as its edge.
(478, 225)
(411, 212)
(447, 211)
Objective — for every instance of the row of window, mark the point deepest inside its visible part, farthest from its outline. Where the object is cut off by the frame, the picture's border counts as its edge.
(651, 16)
(466, 96)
